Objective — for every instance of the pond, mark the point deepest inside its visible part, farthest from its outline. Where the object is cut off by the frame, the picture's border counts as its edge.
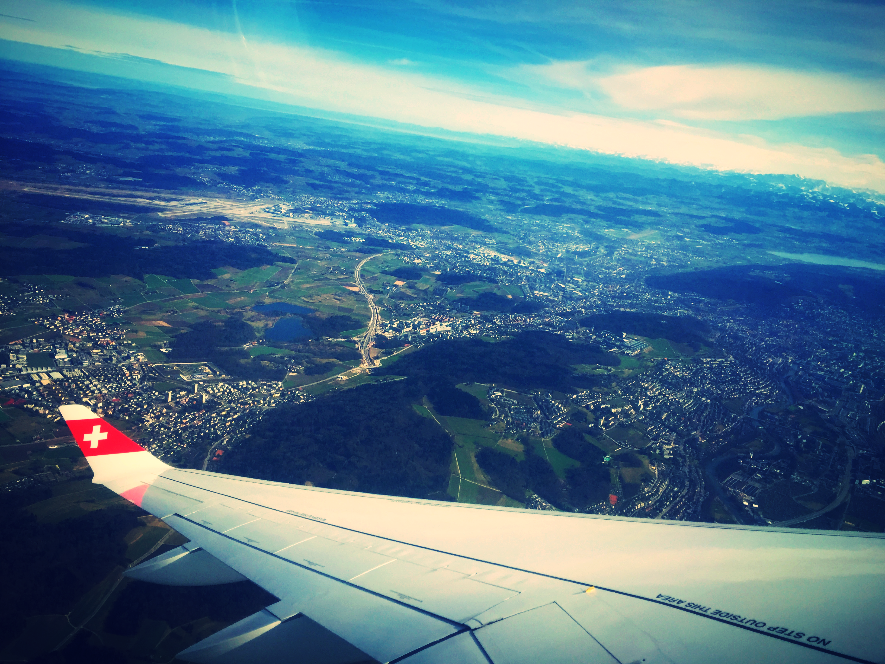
(290, 327)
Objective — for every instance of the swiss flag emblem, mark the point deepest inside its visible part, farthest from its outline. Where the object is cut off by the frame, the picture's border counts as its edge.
(96, 437)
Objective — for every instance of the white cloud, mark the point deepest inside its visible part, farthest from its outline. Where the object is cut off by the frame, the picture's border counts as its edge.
(741, 93)
(401, 62)
(728, 92)
(323, 79)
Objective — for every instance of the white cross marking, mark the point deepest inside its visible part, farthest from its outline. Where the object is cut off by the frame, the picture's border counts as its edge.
(95, 436)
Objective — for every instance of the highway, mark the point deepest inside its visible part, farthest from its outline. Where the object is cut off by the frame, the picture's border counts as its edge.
(368, 339)
(838, 500)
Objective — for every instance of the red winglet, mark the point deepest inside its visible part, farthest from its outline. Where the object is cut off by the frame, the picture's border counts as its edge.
(95, 436)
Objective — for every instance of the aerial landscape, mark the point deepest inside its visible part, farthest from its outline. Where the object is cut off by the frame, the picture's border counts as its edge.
(249, 288)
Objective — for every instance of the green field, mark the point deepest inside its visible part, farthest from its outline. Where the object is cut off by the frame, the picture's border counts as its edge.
(154, 281)
(148, 335)
(169, 286)
(628, 435)
(422, 411)
(478, 390)
(557, 459)
(211, 301)
(185, 286)
(629, 362)
(257, 351)
(467, 464)
(476, 431)
(23, 426)
(469, 435)
(256, 275)
(153, 355)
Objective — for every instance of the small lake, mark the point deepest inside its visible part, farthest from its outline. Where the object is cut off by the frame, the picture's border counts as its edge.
(824, 259)
(290, 327)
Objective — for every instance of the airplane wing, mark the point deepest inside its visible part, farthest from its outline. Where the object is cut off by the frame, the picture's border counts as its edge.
(366, 578)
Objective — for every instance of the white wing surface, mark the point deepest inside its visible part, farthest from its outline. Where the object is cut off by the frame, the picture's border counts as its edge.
(376, 578)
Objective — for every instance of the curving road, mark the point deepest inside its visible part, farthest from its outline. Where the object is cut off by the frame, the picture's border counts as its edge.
(838, 500)
(368, 339)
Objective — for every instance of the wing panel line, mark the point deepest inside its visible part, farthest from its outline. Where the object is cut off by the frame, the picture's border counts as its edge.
(500, 565)
(460, 626)
(479, 645)
(437, 642)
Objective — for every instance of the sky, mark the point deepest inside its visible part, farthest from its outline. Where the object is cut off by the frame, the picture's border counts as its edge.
(752, 86)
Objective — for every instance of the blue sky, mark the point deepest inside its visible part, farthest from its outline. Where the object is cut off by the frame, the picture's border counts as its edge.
(768, 87)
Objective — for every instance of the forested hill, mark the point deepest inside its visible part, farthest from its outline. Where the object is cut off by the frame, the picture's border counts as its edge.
(529, 360)
(366, 439)
(683, 329)
(104, 254)
(372, 439)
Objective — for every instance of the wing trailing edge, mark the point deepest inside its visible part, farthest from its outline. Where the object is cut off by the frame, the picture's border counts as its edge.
(187, 565)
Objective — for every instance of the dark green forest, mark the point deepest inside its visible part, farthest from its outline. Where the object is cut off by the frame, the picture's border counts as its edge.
(109, 254)
(755, 284)
(527, 361)
(684, 329)
(365, 439)
(408, 214)
(331, 326)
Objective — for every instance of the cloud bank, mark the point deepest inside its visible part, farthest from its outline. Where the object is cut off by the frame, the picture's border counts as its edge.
(327, 80)
(720, 92)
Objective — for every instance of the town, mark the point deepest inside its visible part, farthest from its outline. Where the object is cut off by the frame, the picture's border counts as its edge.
(751, 387)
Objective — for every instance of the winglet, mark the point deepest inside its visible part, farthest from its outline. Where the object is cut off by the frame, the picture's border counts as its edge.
(95, 436)
(117, 460)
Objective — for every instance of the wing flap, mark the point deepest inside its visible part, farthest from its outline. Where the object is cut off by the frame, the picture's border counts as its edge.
(382, 628)
(462, 648)
(546, 634)
(262, 637)
(186, 565)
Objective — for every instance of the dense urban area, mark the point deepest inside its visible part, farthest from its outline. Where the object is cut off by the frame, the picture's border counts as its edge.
(786, 397)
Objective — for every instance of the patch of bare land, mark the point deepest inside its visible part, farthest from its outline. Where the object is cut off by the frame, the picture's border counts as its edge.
(510, 444)
(171, 206)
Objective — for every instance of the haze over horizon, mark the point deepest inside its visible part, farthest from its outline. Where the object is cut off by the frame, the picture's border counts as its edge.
(794, 88)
